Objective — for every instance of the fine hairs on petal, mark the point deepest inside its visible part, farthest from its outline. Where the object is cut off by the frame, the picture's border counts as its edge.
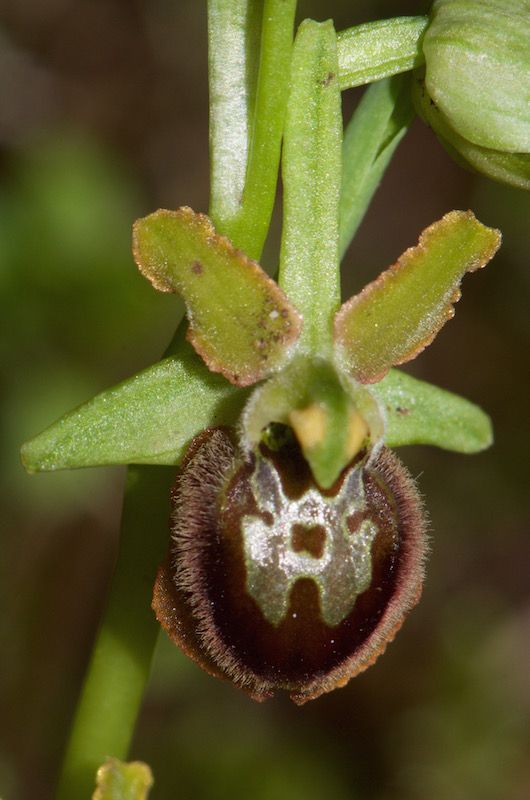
(412, 524)
(208, 465)
(204, 601)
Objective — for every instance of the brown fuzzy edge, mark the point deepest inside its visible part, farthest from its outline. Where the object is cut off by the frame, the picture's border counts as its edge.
(280, 301)
(182, 605)
(447, 313)
(180, 600)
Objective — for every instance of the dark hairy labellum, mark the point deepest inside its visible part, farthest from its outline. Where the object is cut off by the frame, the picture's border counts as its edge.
(274, 583)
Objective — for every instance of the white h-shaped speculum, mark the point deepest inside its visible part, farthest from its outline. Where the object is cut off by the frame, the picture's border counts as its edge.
(341, 572)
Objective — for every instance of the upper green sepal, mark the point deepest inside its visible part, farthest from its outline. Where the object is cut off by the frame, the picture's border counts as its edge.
(396, 316)
(309, 270)
(117, 780)
(241, 322)
(420, 413)
(148, 419)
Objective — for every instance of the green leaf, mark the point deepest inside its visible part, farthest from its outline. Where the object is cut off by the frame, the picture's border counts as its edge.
(396, 316)
(420, 413)
(379, 49)
(234, 29)
(376, 128)
(309, 262)
(332, 419)
(241, 323)
(477, 55)
(117, 780)
(148, 419)
(247, 226)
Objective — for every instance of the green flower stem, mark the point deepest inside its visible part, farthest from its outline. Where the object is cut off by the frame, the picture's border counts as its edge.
(234, 29)
(247, 114)
(309, 261)
(119, 668)
(121, 659)
(250, 224)
(379, 49)
(376, 128)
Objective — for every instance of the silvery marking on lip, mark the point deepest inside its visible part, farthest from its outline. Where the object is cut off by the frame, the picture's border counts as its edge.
(274, 583)
(341, 572)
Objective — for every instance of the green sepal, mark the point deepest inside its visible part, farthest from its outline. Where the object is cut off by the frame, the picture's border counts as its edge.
(340, 417)
(420, 413)
(396, 316)
(379, 49)
(117, 780)
(147, 419)
(241, 322)
(311, 172)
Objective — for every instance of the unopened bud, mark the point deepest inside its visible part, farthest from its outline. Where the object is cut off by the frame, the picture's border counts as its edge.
(475, 90)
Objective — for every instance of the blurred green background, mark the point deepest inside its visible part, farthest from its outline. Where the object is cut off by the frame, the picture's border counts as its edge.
(104, 118)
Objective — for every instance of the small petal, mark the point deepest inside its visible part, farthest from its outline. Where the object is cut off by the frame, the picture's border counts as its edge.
(399, 314)
(241, 322)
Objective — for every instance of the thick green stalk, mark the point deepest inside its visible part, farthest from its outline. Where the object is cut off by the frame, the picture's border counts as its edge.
(309, 261)
(247, 111)
(376, 128)
(119, 668)
(121, 659)
(250, 225)
(234, 29)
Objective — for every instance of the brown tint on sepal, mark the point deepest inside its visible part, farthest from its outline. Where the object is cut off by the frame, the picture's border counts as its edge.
(241, 322)
(223, 598)
(399, 314)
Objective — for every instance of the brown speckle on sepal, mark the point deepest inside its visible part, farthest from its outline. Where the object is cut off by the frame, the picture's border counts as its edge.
(241, 322)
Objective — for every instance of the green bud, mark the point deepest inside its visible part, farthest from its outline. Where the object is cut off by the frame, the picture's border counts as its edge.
(475, 90)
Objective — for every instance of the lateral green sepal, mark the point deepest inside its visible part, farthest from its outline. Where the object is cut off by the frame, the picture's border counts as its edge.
(147, 419)
(420, 413)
